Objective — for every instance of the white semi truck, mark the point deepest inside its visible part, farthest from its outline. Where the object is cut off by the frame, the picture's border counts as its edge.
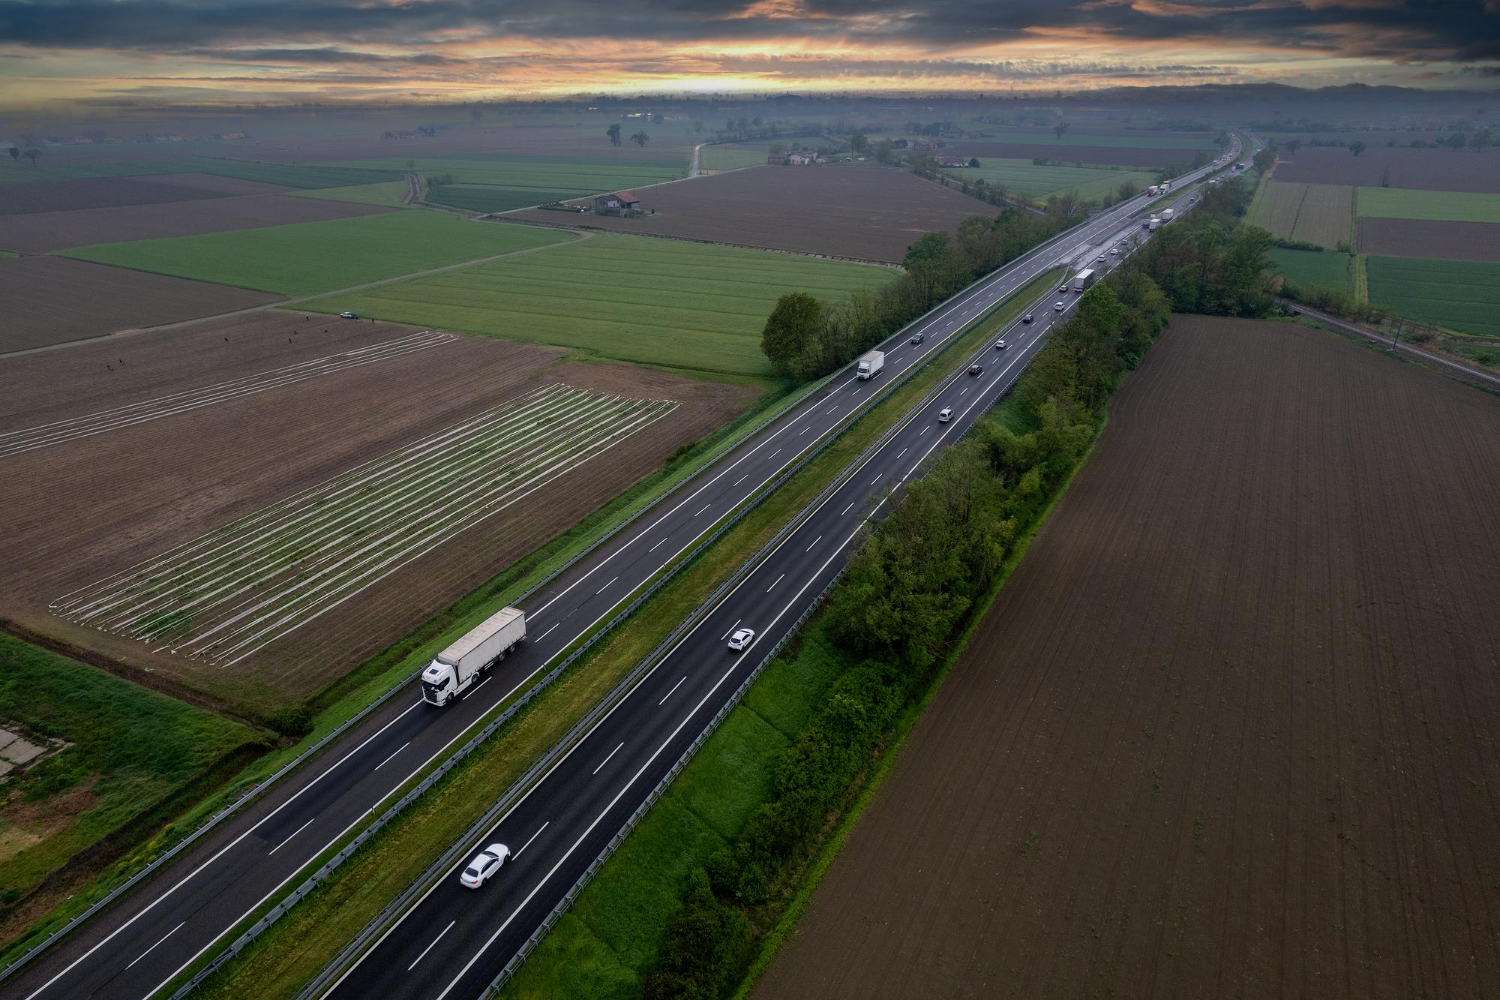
(1153, 224)
(1084, 280)
(870, 364)
(456, 668)
(1167, 214)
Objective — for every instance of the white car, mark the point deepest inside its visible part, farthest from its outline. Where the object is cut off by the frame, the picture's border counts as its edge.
(485, 864)
(348, 315)
(945, 414)
(741, 638)
(1059, 307)
(1101, 258)
(1116, 251)
(1000, 344)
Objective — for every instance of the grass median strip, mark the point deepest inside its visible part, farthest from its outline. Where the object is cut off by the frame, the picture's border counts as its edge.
(285, 957)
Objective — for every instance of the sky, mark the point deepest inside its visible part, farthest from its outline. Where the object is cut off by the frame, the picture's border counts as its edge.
(92, 55)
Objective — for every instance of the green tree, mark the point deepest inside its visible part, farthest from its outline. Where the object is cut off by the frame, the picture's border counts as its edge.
(756, 121)
(859, 142)
(1060, 128)
(32, 154)
(792, 334)
(15, 153)
(640, 139)
(1292, 145)
(1127, 190)
(614, 134)
(1356, 147)
(1481, 140)
(1457, 141)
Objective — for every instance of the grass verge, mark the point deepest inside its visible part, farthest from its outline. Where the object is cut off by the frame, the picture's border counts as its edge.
(285, 957)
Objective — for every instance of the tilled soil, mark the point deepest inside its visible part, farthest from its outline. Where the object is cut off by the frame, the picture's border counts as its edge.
(1430, 238)
(83, 510)
(1422, 169)
(52, 300)
(862, 211)
(1229, 729)
(44, 232)
(114, 192)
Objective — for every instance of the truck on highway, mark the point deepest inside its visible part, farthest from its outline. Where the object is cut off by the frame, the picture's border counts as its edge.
(870, 364)
(1154, 190)
(1084, 279)
(1153, 223)
(456, 668)
(1167, 214)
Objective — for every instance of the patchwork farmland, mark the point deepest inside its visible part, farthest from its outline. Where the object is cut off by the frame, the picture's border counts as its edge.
(1322, 214)
(1461, 295)
(1418, 169)
(860, 211)
(227, 595)
(237, 442)
(1038, 182)
(1224, 732)
(1434, 239)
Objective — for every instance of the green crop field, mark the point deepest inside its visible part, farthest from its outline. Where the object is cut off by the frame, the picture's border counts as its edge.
(1313, 269)
(1441, 206)
(1122, 139)
(392, 193)
(729, 157)
(634, 298)
(1275, 206)
(1462, 295)
(319, 176)
(491, 198)
(1030, 180)
(313, 257)
(1308, 213)
(130, 750)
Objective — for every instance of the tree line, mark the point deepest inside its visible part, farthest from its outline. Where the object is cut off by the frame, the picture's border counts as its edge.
(806, 338)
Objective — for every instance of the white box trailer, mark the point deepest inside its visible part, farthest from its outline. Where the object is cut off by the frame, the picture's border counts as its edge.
(870, 364)
(1084, 280)
(456, 668)
(1167, 214)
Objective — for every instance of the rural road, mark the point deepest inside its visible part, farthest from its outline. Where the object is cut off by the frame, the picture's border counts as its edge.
(454, 941)
(133, 949)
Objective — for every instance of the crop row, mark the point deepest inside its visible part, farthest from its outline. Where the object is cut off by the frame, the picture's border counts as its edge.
(230, 593)
(89, 424)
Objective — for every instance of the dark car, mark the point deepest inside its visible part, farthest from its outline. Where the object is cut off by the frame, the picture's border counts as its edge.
(975, 369)
(917, 338)
(1027, 318)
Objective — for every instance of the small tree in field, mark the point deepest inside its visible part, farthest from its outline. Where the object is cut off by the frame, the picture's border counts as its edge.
(1355, 148)
(640, 139)
(614, 134)
(15, 153)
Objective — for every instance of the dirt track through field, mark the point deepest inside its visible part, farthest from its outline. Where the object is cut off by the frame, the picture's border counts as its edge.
(1229, 729)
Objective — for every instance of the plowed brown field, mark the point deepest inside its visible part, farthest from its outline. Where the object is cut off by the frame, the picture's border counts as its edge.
(866, 212)
(1230, 728)
(114, 192)
(52, 300)
(80, 511)
(43, 232)
(1430, 238)
(1421, 169)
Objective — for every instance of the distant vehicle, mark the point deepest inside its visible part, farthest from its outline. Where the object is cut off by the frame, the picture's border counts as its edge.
(1084, 279)
(1101, 258)
(917, 338)
(1116, 251)
(485, 864)
(456, 668)
(1145, 223)
(1000, 344)
(1153, 224)
(348, 315)
(1167, 213)
(1153, 190)
(976, 369)
(1063, 287)
(870, 364)
(1027, 318)
(741, 638)
(1059, 307)
(945, 414)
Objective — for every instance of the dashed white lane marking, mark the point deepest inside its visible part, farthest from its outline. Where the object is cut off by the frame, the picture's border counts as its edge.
(533, 837)
(670, 693)
(607, 759)
(435, 940)
(288, 840)
(398, 750)
(149, 950)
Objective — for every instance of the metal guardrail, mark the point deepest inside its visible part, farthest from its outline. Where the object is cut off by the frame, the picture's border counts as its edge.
(623, 688)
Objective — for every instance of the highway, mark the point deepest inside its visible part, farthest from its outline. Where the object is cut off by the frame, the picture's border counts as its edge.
(454, 941)
(133, 949)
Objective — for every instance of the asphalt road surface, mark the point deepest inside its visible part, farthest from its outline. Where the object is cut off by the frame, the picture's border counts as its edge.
(454, 941)
(133, 949)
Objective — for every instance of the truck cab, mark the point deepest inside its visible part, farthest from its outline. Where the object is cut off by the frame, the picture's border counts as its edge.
(439, 683)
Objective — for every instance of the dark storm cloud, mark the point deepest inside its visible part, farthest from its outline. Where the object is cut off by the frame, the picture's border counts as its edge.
(321, 56)
(1463, 30)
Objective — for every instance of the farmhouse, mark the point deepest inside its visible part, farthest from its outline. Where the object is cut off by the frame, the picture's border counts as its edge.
(948, 160)
(617, 203)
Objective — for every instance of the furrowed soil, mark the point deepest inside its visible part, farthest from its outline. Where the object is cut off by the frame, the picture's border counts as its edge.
(43, 232)
(1429, 169)
(114, 192)
(1430, 238)
(1229, 728)
(84, 509)
(52, 300)
(862, 211)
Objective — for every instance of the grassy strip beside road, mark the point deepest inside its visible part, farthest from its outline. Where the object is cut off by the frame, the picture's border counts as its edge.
(132, 756)
(284, 958)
